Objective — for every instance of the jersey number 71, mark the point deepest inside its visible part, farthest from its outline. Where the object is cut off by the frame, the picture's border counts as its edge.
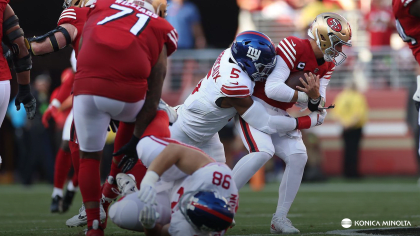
(123, 12)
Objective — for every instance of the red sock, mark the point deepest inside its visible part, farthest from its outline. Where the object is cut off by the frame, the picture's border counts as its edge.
(139, 170)
(61, 168)
(75, 156)
(159, 126)
(90, 186)
(124, 134)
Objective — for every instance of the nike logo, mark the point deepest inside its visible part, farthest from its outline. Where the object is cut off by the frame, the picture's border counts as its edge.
(235, 83)
(293, 44)
(82, 217)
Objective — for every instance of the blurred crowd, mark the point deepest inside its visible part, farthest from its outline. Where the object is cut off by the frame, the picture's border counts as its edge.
(28, 148)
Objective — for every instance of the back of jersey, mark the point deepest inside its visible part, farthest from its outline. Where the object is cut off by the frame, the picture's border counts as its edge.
(121, 42)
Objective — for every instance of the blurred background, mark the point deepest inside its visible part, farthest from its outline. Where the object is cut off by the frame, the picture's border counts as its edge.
(372, 90)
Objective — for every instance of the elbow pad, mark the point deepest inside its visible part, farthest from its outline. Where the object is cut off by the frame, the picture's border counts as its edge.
(257, 117)
(12, 36)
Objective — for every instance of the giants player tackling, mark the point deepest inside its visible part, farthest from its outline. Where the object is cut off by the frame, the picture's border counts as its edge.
(194, 196)
(318, 56)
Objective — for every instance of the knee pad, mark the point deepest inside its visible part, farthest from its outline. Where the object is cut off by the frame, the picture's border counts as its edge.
(297, 160)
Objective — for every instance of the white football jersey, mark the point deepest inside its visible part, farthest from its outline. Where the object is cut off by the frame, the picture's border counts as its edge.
(200, 116)
(215, 177)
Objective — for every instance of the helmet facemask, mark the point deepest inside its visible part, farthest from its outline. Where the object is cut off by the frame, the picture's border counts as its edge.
(263, 71)
(332, 54)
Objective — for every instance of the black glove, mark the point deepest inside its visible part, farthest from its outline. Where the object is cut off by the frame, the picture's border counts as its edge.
(130, 158)
(417, 104)
(24, 96)
(113, 126)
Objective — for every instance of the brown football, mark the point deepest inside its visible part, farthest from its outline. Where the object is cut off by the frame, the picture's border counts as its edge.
(293, 79)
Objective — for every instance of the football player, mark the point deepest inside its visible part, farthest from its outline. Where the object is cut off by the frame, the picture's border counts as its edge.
(125, 88)
(194, 195)
(318, 55)
(407, 19)
(12, 35)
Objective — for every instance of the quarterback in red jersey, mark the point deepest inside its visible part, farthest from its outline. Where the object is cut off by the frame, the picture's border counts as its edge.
(318, 56)
(121, 67)
(12, 35)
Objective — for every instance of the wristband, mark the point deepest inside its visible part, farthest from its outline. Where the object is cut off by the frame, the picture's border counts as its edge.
(150, 178)
(302, 97)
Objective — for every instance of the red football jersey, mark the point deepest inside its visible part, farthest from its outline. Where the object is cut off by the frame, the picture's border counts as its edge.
(121, 44)
(408, 26)
(299, 56)
(75, 16)
(4, 67)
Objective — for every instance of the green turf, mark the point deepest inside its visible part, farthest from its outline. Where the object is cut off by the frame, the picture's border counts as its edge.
(318, 208)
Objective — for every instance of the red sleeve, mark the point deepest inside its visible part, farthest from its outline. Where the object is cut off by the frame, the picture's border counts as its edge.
(68, 16)
(171, 38)
(288, 49)
(65, 89)
(329, 72)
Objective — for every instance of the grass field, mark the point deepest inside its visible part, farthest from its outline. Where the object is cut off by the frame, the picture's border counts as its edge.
(318, 208)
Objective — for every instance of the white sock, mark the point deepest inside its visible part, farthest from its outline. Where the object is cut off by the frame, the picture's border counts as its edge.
(71, 187)
(57, 191)
(290, 183)
(247, 166)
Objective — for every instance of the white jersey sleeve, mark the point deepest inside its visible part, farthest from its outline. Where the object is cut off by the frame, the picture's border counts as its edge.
(200, 115)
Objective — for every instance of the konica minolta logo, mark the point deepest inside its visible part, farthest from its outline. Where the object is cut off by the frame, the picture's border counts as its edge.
(347, 223)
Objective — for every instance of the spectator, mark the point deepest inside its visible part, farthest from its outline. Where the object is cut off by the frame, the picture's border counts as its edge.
(380, 25)
(351, 112)
(185, 18)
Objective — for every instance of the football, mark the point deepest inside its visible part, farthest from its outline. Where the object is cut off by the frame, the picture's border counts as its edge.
(293, 79)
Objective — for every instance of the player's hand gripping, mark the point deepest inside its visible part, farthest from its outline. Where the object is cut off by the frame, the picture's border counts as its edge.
(24, 96)
(148, 216)
(130, 158)
(48, 114)
(311, 88)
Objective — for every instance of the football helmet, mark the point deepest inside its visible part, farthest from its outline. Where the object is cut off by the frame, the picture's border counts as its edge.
(206, 211)
(329, 30)
(156, 6)
(77, 3)
(255, 53)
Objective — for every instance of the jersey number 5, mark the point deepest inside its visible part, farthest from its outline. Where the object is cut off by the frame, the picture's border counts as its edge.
(123, 12)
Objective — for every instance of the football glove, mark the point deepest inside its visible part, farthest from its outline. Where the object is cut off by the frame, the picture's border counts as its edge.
(130, 158)
(148, 216)
(24, 96)
(48, 114)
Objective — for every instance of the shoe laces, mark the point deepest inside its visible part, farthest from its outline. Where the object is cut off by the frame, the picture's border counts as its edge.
(82, 208)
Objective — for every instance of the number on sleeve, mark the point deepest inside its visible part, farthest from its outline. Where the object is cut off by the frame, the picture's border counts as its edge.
(219, 180)
(234, 74)
(125, 11)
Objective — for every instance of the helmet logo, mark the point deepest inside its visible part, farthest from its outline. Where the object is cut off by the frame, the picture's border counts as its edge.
(253, 53)
(334, 24)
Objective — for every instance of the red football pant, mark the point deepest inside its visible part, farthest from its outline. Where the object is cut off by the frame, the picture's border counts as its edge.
(61, 168)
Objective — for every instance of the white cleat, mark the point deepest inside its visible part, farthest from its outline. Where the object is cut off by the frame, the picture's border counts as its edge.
(126, 184)
(282, 226)
(173, 116)
(80, 219)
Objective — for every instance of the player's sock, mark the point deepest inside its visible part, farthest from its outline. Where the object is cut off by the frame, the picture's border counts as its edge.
(124, 134)
(247, 166)
(57, 192)
(90, 186)
(159, 126)
(71, 186)
(75, 156)
(139, 170)
(290, 182)
(61, 168)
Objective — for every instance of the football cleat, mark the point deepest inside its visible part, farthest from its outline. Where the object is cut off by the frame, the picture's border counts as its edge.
(173, 116)
(56, 204)
(126, 184)
(81, 218)
(282, 226)
(68, 199)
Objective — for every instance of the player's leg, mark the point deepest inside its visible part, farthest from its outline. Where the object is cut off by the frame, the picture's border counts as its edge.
(260, 149)
(293, 152)
(4, 99)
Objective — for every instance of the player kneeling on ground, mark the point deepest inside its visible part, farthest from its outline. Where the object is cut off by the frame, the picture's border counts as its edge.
(184, 192)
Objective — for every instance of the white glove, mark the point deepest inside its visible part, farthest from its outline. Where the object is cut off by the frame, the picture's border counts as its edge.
(148, 216)
(147, 193)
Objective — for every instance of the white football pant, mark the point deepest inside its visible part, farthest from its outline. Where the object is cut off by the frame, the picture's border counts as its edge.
(4, 99)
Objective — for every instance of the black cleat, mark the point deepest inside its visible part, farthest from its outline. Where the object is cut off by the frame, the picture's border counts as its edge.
(68, 199)
(55, 204)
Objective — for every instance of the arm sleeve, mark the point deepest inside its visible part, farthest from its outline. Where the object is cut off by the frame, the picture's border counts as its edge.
(275, 88)
(65, 90)
(171, 39)
(323, 83)
(257, 117)
(68, 16)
